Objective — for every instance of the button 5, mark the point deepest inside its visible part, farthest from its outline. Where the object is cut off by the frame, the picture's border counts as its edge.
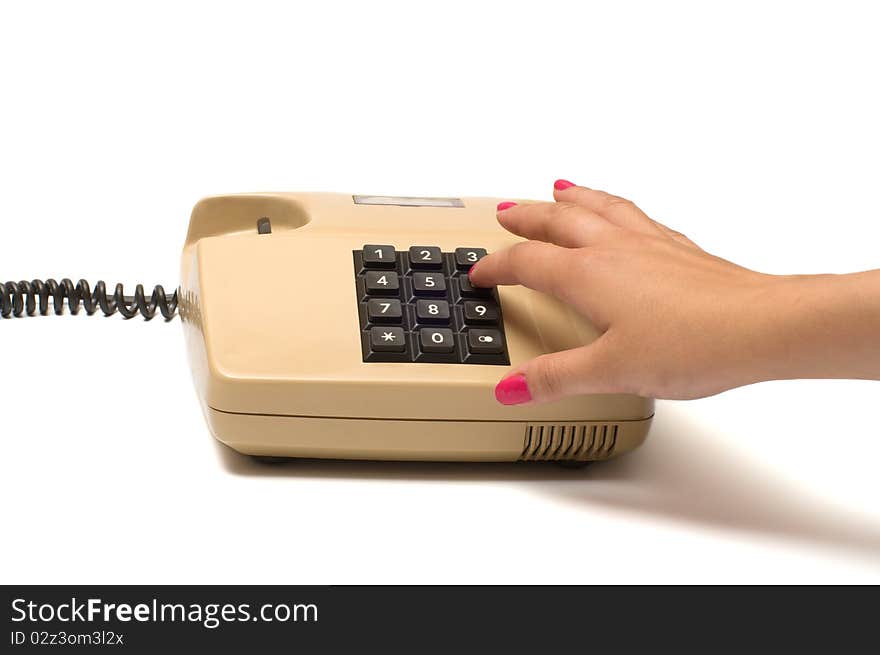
(429, 284)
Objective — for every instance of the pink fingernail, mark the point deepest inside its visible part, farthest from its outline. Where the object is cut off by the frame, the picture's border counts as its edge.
(471, 270)
(562, 185)
(513, 390)
(505, 205)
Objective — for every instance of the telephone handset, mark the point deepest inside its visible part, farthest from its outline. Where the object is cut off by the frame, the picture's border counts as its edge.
(363, 337)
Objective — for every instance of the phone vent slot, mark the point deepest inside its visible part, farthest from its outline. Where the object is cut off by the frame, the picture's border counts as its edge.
(560, 442)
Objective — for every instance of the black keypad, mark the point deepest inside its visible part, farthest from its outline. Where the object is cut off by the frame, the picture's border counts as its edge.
(379, 256)
(417, 305)
(436, 340)
(387, 339)
(384, 310)
(480, 312)
(467, 257)
(429, 284)
(382, 283)
(432, 311)
(426, 257)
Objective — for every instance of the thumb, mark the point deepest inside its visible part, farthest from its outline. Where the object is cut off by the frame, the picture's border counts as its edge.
(588, 369)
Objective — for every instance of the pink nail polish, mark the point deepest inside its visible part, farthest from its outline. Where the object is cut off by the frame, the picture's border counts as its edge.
(562, 185)
(471, 270)
(513, 390)
(505, 205)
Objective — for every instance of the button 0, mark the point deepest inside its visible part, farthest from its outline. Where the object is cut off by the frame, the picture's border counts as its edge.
(429, 284)
(485, 342)
(387, 339)
(467, 257)
(376, 256)
(381, 283)
(381, 310)
(476, 311)
(425, 257)
(436, 340)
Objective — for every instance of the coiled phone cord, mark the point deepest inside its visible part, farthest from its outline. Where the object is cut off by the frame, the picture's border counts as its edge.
(17, 298)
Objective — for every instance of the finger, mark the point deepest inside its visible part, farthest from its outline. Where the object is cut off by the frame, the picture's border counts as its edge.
(537, 265)
(562, 223)
(617, 210)
(588, 369)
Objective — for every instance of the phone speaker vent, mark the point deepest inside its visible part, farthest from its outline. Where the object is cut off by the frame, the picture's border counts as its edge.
(561, 442)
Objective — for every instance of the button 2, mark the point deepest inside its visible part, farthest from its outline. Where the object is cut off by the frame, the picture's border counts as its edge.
(387, 339)
(379, 256)
(384, 311)
(467, 257)
(381, 283)
(436, 340)
(476, 311)
(425, 257)
(427, 284)
(485, 342)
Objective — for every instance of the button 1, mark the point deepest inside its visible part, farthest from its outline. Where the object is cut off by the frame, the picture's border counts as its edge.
(379, 256)
(381, 283)
(429, 284)
(384, 311)
(436, 340)
(467, 257)
(387, 339)
(425, 257)
(485, 342)
(469, 290)
(432, 311)
(476, 311)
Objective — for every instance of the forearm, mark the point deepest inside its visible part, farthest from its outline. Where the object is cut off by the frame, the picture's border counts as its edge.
(823, 326)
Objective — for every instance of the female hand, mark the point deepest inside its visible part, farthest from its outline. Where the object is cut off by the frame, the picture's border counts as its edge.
(676, 322)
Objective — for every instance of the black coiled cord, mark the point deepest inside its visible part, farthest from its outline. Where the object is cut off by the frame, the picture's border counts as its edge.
(17, 298)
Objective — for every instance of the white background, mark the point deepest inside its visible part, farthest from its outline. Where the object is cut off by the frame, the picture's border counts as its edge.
(753, 129)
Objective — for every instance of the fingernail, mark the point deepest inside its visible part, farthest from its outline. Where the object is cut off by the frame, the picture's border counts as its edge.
(471, 270)
(562, 185)
(513, 390)
(505, 205)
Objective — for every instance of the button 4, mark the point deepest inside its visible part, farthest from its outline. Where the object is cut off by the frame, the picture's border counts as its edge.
(382, 283)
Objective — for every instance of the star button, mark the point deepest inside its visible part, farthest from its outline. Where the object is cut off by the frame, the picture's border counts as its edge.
(388, 336)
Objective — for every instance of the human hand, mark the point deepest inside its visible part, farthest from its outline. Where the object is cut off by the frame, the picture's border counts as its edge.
(676, 322)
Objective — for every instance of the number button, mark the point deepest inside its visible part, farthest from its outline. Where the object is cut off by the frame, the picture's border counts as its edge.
(432, 311)
(379, 256)
(467, 257)
(469, 290)
(436, 340)
(425, 257)
(485, 342)
(384, 311)
(381, 283)
(387, 339)
(429, 284)
(476, 311)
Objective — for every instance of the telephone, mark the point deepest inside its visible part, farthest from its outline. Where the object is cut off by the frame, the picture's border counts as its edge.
(362, 337)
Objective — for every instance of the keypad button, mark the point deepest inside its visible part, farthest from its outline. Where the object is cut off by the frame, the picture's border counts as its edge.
(384, 311)
(436, 340)
(467, 257)
(476, 311)
(387, 339)
(485, 342)
(468, 290)
(429, 284)
(379, 256)
(382, 283)
(432, 311)
(426, 257)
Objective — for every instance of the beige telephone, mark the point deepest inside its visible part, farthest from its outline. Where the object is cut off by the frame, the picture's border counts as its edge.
(360, 336)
